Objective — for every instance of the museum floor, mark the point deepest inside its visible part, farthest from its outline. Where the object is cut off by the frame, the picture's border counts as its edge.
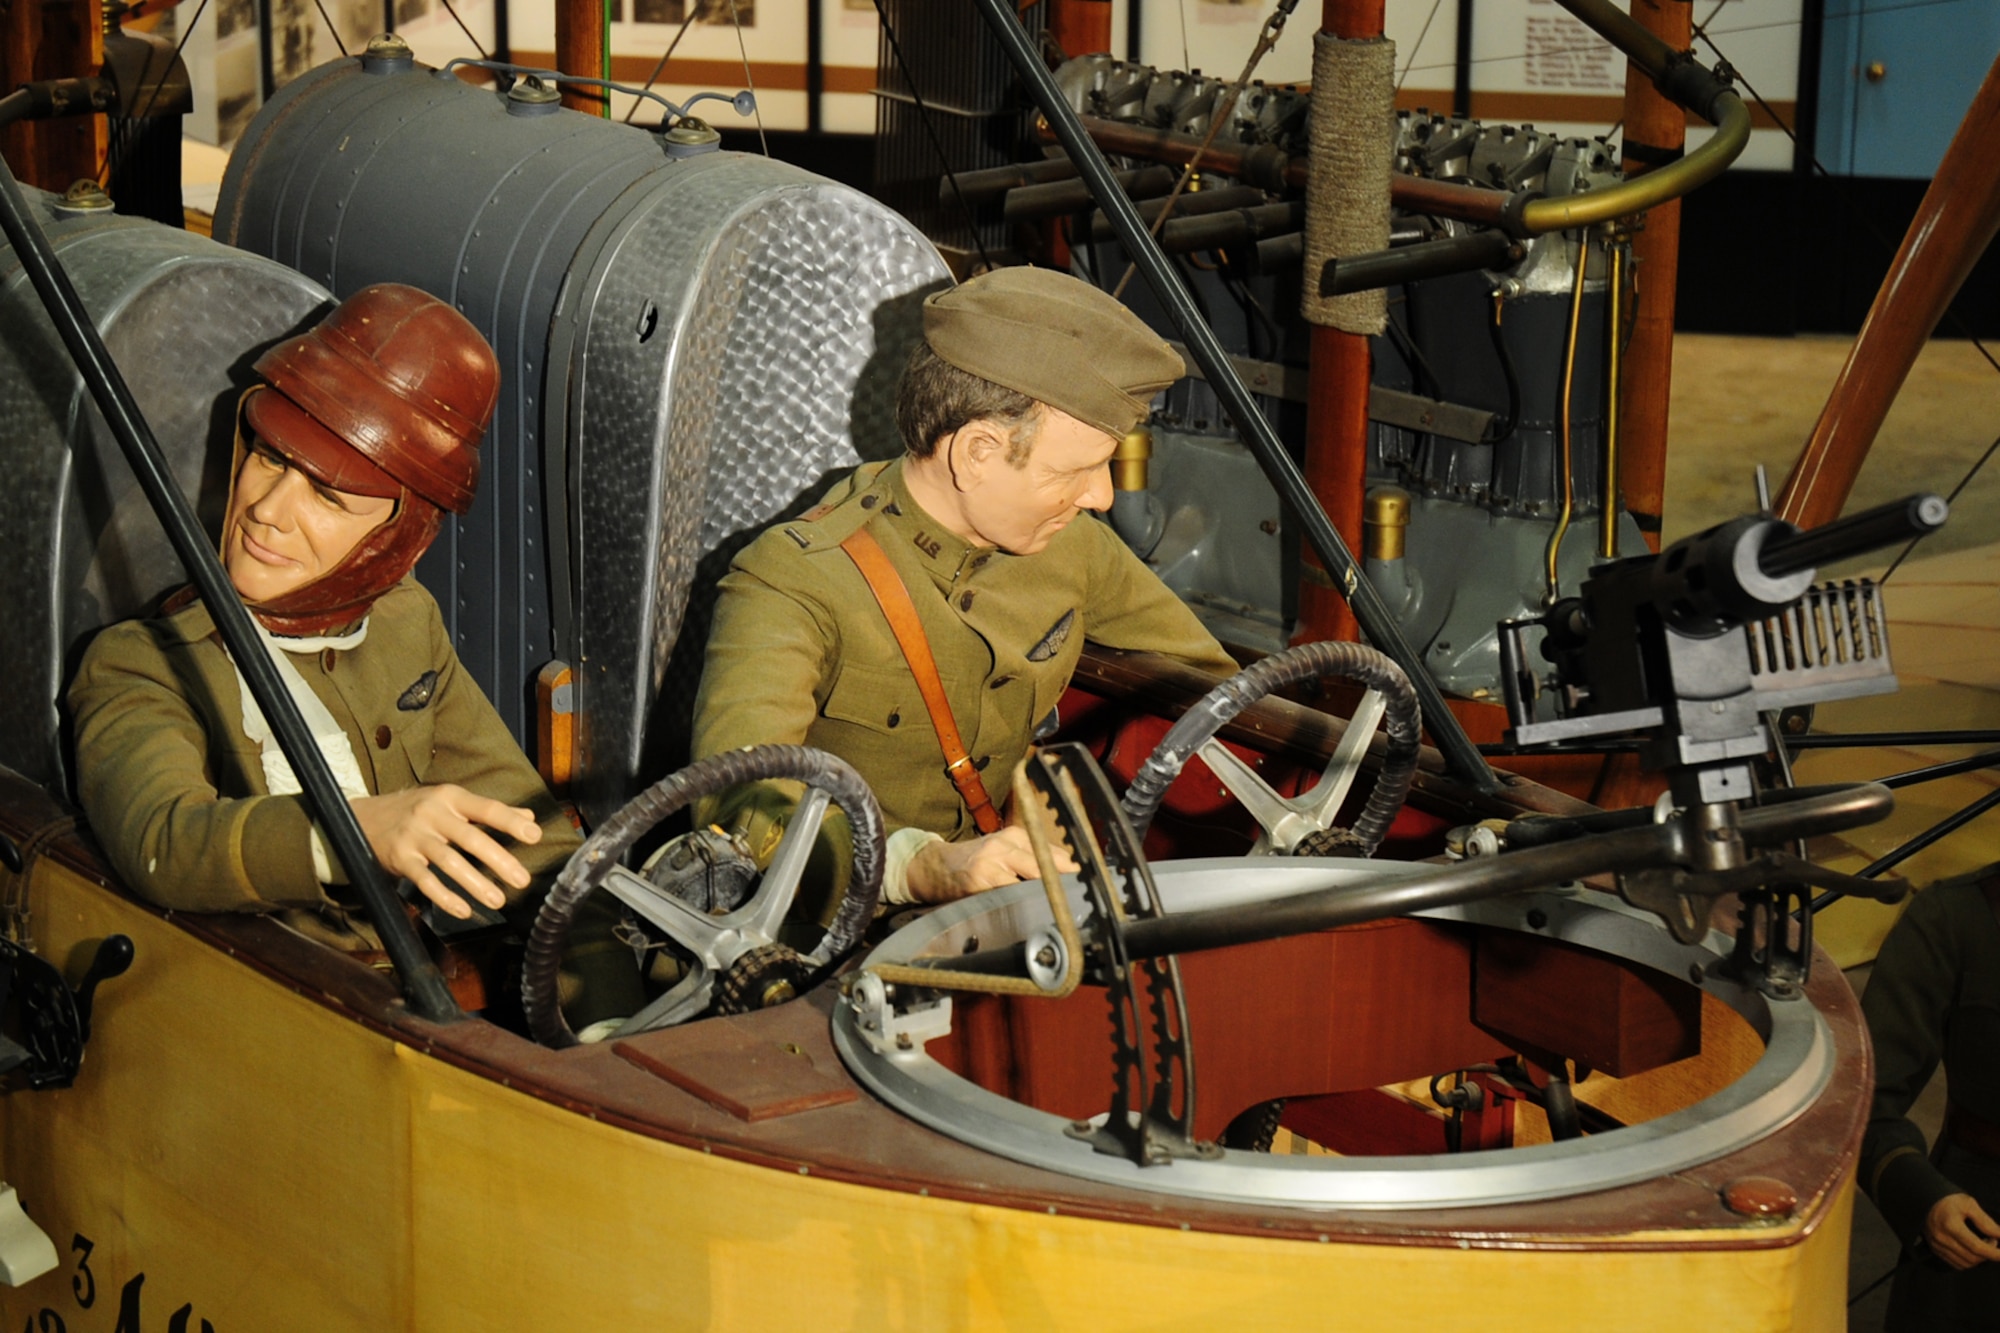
(1740, 401)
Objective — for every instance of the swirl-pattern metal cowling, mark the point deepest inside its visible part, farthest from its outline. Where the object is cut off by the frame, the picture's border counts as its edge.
(689, 346)
(184, 318)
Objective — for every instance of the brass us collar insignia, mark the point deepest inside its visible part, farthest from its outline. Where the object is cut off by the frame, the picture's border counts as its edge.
(928, 544)
(1051, 643)
(418, 696)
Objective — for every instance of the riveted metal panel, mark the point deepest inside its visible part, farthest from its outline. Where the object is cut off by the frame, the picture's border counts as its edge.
(780, 310)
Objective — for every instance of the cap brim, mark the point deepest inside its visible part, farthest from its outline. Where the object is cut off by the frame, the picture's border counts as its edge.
(324, 456)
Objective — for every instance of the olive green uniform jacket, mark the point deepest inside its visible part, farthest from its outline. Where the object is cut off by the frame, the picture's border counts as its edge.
(175, 790)
(1934, 995)
(801, 653)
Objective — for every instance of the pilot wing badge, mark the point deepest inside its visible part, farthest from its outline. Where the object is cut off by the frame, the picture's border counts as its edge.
(1051, 643)
(418, 696)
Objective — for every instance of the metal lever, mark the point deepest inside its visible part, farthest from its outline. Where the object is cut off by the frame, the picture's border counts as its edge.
(114, 955)
(55, 1021)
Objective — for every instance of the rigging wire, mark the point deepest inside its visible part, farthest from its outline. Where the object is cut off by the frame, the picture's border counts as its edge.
(1963, 482)
(320, 5)
(661, 68)
(748, 81)
(468, 32)
(1267, 37)
(1272, 332)
(1425, 32)
(1950, 311)
(1089, 263)
(930, 131)
(104, 166)
(1721, 32)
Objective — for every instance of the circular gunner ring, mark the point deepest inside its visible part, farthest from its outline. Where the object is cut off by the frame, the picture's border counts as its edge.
(1794, 1069)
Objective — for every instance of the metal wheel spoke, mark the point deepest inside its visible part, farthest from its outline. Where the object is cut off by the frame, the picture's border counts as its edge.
(1271, 811)
(760, 917)
(1323, 802)
(697, 932)
(688, 997)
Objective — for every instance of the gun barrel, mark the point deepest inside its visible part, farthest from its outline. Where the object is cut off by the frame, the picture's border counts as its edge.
(1857, 534)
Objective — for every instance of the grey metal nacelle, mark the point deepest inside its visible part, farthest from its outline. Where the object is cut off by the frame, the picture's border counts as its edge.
(184, 318)
(689, 345)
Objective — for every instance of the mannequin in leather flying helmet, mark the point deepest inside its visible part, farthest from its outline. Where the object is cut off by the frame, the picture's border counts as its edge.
(365, 432)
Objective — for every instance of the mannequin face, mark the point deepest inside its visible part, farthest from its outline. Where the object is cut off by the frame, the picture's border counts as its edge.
(1021, 506)
(284, 529)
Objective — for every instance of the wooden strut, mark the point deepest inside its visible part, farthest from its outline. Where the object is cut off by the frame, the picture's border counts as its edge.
(581, 48)
(56, 39)
(1336, 454)
(1655, 134)
(1957, 219)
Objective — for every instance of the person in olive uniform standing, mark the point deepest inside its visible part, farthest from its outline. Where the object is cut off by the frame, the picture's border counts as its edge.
(366, 431)
(1009, 411)
(1934, 994)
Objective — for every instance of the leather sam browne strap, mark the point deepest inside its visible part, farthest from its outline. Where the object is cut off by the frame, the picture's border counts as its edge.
(901, 613)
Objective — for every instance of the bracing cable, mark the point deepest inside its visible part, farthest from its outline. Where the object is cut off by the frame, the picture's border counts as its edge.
(1267, 37)
(661, 68)
(1950, 310)
(748, 81)
(930, 131)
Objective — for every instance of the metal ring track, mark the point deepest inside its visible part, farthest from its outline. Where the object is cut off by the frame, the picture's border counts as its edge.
(1795, 1067)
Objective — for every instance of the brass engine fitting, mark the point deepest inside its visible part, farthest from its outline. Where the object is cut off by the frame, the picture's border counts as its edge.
(1130, 459)
(1385, 523)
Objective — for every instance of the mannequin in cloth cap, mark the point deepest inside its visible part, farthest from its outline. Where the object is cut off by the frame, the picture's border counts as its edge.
(366, 431)
(1009, 411)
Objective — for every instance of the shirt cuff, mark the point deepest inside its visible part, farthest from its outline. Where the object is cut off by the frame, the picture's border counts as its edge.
(904, 844)
(325, 869)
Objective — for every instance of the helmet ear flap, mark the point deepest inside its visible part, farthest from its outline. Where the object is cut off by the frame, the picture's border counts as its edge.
(402, 379)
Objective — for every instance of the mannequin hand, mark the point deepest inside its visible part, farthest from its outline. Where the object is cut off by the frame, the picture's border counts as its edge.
(945, 871)
(414, 830)
(1960, 1233)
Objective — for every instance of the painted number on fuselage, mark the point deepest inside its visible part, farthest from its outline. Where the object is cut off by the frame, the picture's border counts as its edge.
(83, 1286)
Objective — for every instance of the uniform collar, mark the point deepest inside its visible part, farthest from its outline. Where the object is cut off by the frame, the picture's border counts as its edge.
(945, 555)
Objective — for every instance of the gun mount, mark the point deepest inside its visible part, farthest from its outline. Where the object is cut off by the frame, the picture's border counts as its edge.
(1696, 650)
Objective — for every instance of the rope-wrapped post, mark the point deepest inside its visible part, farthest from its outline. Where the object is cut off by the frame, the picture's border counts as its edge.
(603, 849)
(1402, 722)
(1352, 139)
(1353, 155)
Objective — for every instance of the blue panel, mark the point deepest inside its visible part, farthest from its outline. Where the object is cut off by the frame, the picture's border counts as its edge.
(1833, 139)
(1929, 60)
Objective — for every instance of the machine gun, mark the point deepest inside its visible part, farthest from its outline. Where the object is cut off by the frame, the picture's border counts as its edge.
(1695, 651)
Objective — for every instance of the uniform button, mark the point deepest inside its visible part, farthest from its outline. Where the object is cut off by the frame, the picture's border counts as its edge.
(998, 681)
(868, 501)
(382, 738)
(979, 561)
(895, 719)
(327, 658)
(965, 602)
(981, 762)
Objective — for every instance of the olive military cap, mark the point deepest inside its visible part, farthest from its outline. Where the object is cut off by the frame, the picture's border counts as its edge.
(1055, 338)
